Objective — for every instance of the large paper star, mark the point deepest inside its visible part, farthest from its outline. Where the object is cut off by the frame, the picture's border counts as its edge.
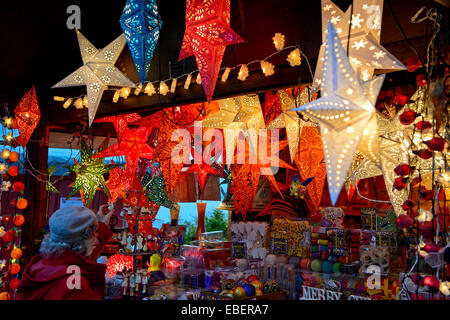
(141, 25)
(117, 184)
(207, 34)
(202, 170)
(133, 146)
(365, 52)
(120, 122)
(27, 115)
(89, 173)
(289, 119)
(98, 71)
(343, 111)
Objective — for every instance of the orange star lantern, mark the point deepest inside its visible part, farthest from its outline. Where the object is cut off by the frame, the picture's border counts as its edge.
(203, 170)
(27, 116)
(120, 122)
(207, 34)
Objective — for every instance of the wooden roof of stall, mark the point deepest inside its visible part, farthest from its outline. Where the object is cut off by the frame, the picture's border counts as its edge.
(38, 48)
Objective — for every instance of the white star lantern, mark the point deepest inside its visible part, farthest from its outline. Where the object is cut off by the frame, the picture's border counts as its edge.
(365, 52)
(344, 110)
(98, 71)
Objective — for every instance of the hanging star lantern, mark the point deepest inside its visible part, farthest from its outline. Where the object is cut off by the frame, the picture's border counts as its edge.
(289, 119)
(98, 71)
(271, 108)
(133, 146)
(141, 25)
(151, 121)
(365, 52)
(343, 111)
(117, 184)
(89, 173)
(202, 170)
(207, 34)
(155, 190)
(50, 187)
(27, 116)
(120, 122)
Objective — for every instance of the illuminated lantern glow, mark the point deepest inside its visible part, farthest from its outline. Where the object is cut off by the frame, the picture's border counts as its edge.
(294, 58)
(444, 287)
(16, 253)
(278, 41)
(6, 153)
(13, 157)
(22, 203)
(15, 268)
(207, 34)
(141, 25)
(13, 171)
(19, 220)
(267, 68)
(243, 72)
(5, 296)
(3, 168)
(424, 216)
(431, 281)
(18, 186)
(117, 262)
(14, 284)
(27, 117)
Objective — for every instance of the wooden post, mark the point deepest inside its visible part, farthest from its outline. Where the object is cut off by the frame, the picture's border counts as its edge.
(35, 192)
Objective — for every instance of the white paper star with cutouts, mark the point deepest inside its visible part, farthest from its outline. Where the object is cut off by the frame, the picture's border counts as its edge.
(344, 110)
(98, 71)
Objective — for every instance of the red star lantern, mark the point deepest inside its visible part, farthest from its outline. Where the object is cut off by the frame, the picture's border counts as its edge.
(133, 146)
(152, 121)
(271, 108)
(203, 170)
(207, 34)
(117, 184)
(120, 122)
(27, 116)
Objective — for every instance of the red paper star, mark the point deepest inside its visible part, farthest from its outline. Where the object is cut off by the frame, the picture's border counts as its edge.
(271, 108)
(207, 34)
(203, 170)
(133, 146)
(152, 121)
(120, 122)
(117, 184)
(27, 116)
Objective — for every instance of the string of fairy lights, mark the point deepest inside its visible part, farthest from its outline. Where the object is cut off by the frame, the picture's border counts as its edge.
(161, 87)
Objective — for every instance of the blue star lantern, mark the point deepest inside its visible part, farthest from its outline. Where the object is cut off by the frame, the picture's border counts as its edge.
(141, 24)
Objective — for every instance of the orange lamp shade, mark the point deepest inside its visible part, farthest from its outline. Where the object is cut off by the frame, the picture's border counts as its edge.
(16, 253)
(15, 268)
(22, 203)
(14, 284)
(18, 186)
(13, 157)
(13, 171)
(19, 220)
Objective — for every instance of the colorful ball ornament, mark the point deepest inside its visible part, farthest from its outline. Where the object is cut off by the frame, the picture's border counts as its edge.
(258, 292)
(257, 284)
(13, 157)
(316, 265)
(251, 278)
(22, 203)
(16, 253)
(336, 267)
(19, 220)
(18, 186)
(250, 290)
(15, 268)
(305, 264)
(226, 294)
(271, 286)
(13, 171)
(14, 284)
(6, 219)
(229, 284)
(327, 267)
(239, 292)
(8, 236)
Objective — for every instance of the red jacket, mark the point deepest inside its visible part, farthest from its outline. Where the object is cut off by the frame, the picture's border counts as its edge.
(46, 278)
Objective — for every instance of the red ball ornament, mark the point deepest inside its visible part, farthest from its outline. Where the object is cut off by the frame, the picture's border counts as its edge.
(13, 157)
(15, 268)
(403, 221)
(18, 186)
(436, 144)
(22, 203)
(421, 80)
(14, 284)
(400, 183)
(19, 220)
(251, 278)
(424, 153)
(403, 170)
(13, 202)
(431, 281)
(8, 236)
(13, 171)
(407, 205)
(401, 100)
(6, 219)
(423, 125)
(407, 117)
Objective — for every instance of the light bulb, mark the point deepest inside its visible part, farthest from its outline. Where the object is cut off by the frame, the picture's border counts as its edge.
(278, 41)
(294, 58)
(6, 153)
(243, 72)
(187, 83)
(163, 88)
(150, 89)
(67, 103)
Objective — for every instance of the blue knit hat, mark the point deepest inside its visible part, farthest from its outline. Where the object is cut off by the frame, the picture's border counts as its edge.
(71, 224)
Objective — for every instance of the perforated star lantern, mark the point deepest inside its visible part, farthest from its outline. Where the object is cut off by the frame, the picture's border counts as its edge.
(133, 146)
(207, 34)
(343, 111)
(89, 173)
(203, 170)
(116, 184)
(365, 52)
(155, 190)
(27, 115)
(98, 71)
(289, 119)
(141, 25)
(120, 122)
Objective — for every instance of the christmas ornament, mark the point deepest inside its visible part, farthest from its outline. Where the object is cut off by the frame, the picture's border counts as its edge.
(120, 122)
(271, 108)
(207, 34)
(155, 190)
(27, 116)
(141, 25)
(50, 187)
(365, 52)
(117, 184)
(98, 71)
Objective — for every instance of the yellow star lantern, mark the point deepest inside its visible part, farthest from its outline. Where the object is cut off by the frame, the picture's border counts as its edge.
(98, 71)
(343, 111)
(289, 119)
(365, 52)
